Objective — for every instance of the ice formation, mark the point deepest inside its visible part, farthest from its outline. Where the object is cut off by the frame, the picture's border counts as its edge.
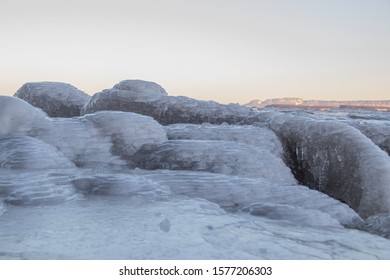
(56, 99)
(259, 136)
(118, 185)
(338, 160)
(149, 99)
(245, 192)
(214, 156)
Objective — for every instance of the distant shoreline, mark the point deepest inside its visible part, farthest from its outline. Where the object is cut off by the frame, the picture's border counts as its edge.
(376, 105)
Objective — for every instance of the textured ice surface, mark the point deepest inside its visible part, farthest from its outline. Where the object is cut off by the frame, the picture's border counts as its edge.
(29, 153)
(23, 187)
(2, 208)
(292, 214)
(107, 227)
(252, 135)
(150, 99)
(56, 99)
(214, 156)
(338, 160)
(123, 184)
(236, 193)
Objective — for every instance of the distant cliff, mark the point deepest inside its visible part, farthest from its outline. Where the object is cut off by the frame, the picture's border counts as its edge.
(300, 103)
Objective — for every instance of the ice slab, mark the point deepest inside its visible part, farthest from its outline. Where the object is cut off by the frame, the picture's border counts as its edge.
(214, 156)
(258, 136)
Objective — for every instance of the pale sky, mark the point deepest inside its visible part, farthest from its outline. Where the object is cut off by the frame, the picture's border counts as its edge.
(227, 51)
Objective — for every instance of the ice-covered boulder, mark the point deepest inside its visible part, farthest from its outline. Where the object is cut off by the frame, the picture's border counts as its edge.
(150, 99)
(338, 160)
(142, 87)
(56, 99)
(258, 136)
(80, 141)
(127, 131)
(102, 139)
(17, 116)
(214, 156)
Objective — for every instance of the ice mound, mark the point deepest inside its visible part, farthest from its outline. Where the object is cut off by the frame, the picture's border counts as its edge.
(142, 87)
(18, 116)
(214, 156)
(128, 131)
(338, 160)
(80, 141)
(150, 99)
(56, 99)
(235, 193)
(28, 172)
(27, 153)
(103, 140)
(258, 136)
